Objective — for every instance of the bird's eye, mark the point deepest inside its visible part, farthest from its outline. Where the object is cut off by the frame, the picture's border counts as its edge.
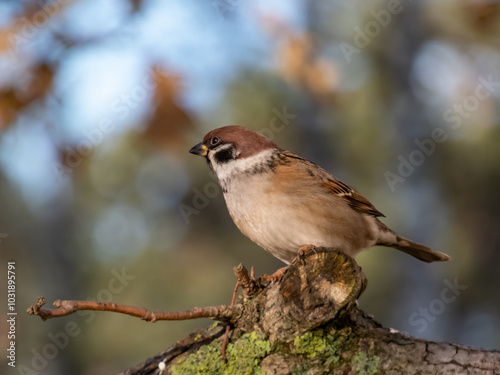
(214, 141)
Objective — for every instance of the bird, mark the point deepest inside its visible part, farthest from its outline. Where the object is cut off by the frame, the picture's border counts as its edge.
(284, 203)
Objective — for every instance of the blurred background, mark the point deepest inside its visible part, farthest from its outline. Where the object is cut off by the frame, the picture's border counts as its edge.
(101, 100)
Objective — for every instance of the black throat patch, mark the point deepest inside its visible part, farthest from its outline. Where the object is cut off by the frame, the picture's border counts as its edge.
(225, 155)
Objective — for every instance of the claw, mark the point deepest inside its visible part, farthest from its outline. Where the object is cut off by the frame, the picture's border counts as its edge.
(303, 252)
(275, 277)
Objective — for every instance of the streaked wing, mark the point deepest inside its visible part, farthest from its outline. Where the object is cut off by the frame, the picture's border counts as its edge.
(312, 171)
(353, 198)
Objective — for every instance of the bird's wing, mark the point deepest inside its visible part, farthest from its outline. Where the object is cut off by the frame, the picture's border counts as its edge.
(354, 199)
(316, 174)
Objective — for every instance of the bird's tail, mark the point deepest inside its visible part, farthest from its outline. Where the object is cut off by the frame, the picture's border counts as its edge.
(391, 239)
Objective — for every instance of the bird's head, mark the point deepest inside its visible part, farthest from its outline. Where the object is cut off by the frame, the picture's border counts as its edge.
(233, 149)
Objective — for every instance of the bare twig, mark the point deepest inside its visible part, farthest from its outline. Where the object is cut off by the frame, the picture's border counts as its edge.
(67, 307)
(228, 327)
(249, 285)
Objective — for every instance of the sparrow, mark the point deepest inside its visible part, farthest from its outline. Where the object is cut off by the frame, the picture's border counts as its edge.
(283, 202)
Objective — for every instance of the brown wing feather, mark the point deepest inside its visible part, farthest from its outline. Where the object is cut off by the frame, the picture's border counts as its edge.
(353, 198)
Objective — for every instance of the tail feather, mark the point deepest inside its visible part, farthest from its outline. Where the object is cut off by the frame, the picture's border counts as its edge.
(391, 239)
(419, 251)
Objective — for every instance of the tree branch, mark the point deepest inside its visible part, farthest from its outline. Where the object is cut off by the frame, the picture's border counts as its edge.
(68, 307)
(224, 313)
(306, 322)
(227, 314)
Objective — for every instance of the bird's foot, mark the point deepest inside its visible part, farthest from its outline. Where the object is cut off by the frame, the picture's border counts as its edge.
(303, 251)
(275, 277)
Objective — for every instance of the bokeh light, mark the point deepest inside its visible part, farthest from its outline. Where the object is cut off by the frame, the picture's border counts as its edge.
(100, 102)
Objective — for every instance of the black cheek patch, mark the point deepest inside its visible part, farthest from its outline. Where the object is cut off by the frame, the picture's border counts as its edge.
(223, 156)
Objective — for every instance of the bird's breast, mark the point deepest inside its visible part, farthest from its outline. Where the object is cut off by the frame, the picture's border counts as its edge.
(274, 220)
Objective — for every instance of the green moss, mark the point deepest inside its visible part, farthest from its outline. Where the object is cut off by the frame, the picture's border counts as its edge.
(365, 364)
(315, 343)
(310, 344)
(321, 350)
(205, 361)
(318, 350)
(332, 349)
(301, 369)
(243, 357)
(213, 326)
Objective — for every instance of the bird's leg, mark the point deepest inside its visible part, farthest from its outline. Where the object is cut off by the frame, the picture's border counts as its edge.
(275, 277)
(228, 327)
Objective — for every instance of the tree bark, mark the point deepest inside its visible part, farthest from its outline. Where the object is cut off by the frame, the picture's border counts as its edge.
(308, 323)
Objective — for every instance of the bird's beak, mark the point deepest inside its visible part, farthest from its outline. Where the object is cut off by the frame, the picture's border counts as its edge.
(199, 149)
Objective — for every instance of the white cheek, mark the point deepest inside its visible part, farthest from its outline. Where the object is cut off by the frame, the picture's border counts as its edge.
(224, 171)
